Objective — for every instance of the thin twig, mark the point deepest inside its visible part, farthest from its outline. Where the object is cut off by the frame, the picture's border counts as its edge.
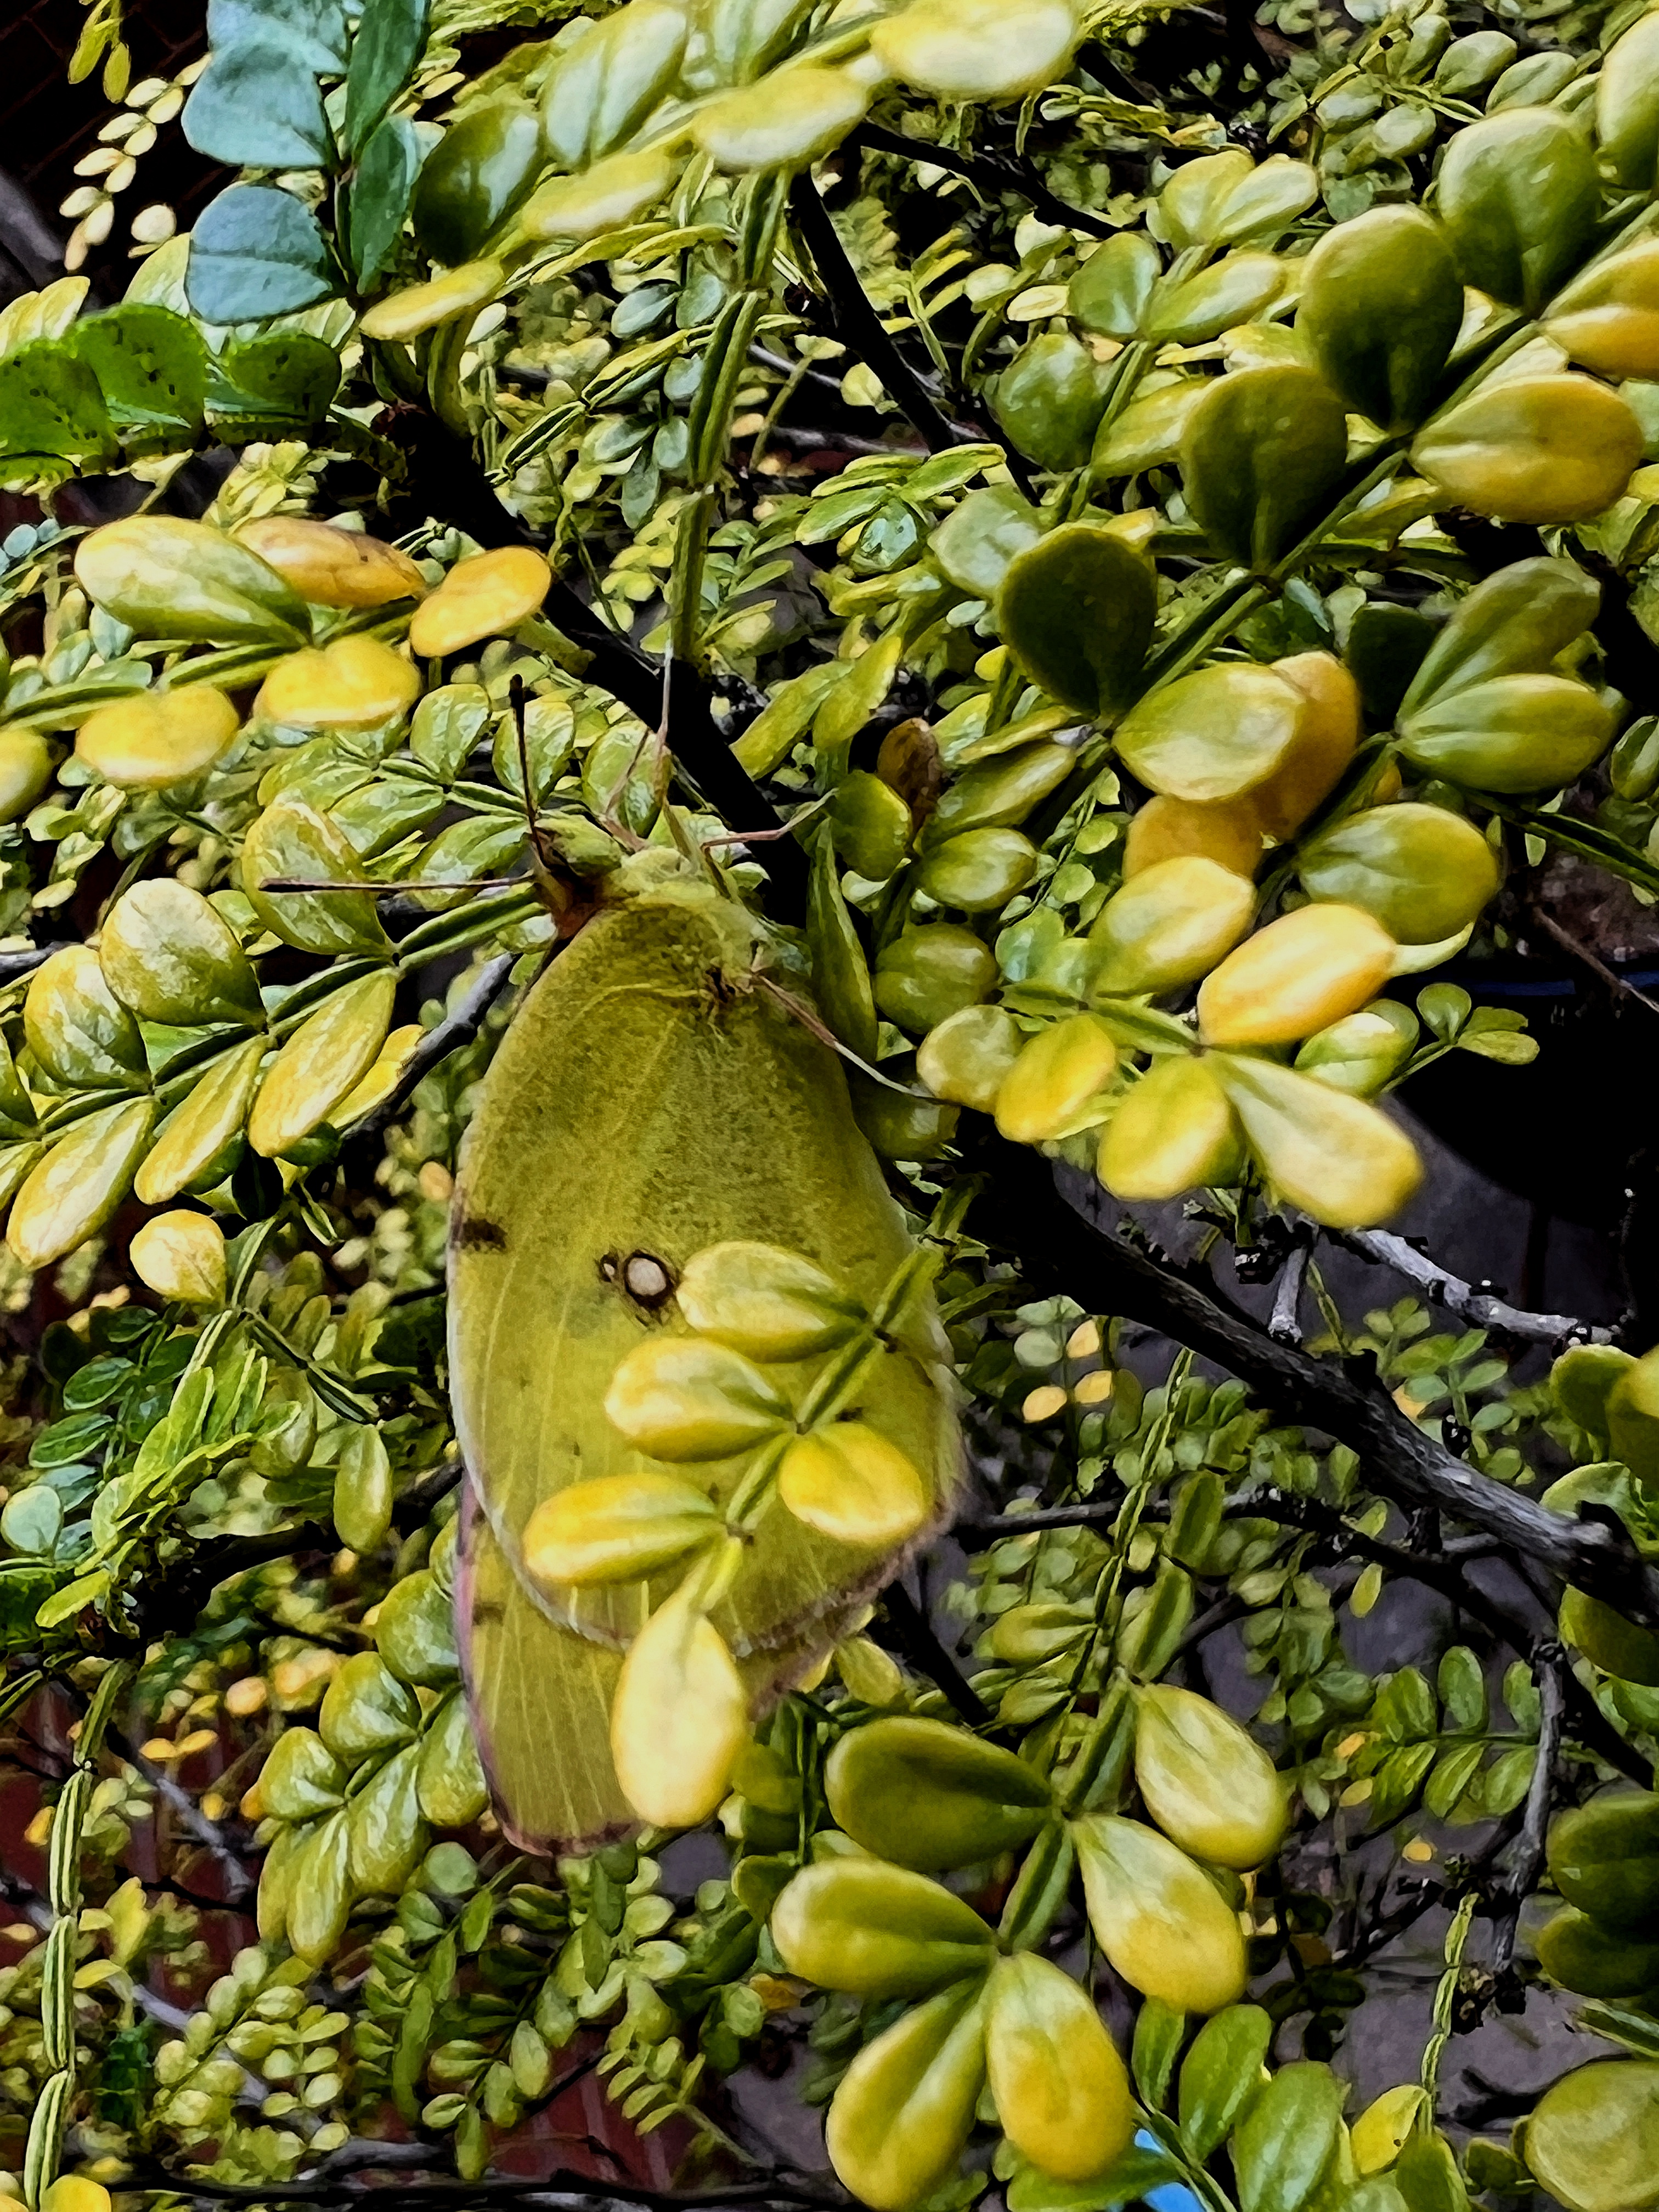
(21, 963)
(1550, 1666)
(455, 1030)
(998, 173)
(1481, 1307)
(1610, 976)
(911, 1633)
(1283, 1325)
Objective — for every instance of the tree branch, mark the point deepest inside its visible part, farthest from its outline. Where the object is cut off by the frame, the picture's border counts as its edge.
(998, 173)
(1481, 1307)
(1550, 1663)
(858, 324)
(456, 1030)
(1022, 1210)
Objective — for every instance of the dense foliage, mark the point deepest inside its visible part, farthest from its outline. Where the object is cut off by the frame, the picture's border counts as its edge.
(751, 662)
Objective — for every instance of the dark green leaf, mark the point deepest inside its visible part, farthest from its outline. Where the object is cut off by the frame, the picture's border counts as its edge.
(151, 365)
(390, 36)
(313, 31)
(22, 1590)
(1158, 2033)
(380, 193)
(256, 252)
(258, 106)
(50, 403)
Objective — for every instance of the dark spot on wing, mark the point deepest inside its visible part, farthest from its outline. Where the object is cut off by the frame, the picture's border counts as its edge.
(647, 1280)
(475, 1234)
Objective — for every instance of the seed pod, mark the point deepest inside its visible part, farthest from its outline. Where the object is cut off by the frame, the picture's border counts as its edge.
(486, 595)
(354, 683)
(965, 49)
(765, 1301)
(1533, 449)
(1363, 1052)
(320, 1903)
(25, 771)
(1628, 106)
(618, 1528)
(1205, 1780)
(1076, 611)
(1327, 734)
(1381, 307)
(401, 316)
(70, 1194)
(1338, 1158)
(1423, 872)
(680, 1716)
(848, 1481)
(1300, 973)
(686, 1399)
(1581, 1954)
(1056, 1078)
(301, 1777)
(291, 840)
(1157, 1917)
(333, 568)
(80, 1033)
(1604, 1858)
(1167, 925)
(743, 1134)
(74, 2192)
(1213, 735)
(928, 1796)
(968, 1056)
(1593, 2138)
(364, 1490)
(451, 1783)
(1517, 733)
(1608, 320)
(876, 1930)
(366, 1709)
(164, 577)
(1261, 453)
(1167, 829)
(386, 1838)
(157, 739)
(611, 194)
(905, 2110)
(182, 1256)
(172, 956)
(1174, 1132)
(1618, 1646)
(1518, 194)
(414, 1634)
(979, 871)
(326, 1057)
(197, 1145)
(1062, 2093)
(926, 974)
(1290, 2138)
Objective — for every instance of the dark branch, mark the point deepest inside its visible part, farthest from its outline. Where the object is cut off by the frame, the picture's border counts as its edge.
(1550, 1662)
(1057, 1249)
(910, 1633)
(456, 1030)
(1479, 1308)
(998, 173)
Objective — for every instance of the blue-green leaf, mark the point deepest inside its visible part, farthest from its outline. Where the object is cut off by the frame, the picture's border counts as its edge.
(313, 31)
(390, 36)
(259, 107)
(256, 252)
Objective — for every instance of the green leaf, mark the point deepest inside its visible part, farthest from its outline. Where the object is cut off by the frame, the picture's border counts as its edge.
(1159, 2031)
(285, 378)
(256, 252)
(1262, 453)
(50, 403)
(258, 106)
(1076, 612)
(390, 36)
(151, 365)
(1462, 1688)
(380, 193)
(313, 31)
(24, 1587)
(34, 1520)
(1222, 2072)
